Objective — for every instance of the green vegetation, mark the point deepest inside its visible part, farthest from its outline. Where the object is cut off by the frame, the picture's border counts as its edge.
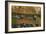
(13, 20)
